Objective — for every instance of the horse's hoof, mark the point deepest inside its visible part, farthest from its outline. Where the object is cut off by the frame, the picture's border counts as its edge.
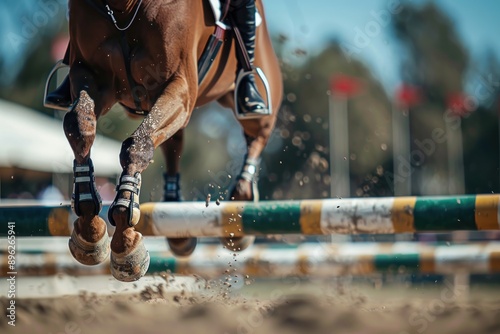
(236, 244)
(89, 253)
(182, 246)
(129, 267)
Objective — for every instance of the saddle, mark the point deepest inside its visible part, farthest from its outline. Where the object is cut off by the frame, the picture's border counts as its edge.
(223, 23)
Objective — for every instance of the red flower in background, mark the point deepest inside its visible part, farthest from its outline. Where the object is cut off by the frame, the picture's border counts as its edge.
(408, 96)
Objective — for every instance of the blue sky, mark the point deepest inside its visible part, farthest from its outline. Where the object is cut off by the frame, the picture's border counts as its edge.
(310, 23)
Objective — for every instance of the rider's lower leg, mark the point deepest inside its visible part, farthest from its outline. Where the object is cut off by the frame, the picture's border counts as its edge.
(61, 96)
(249, 100)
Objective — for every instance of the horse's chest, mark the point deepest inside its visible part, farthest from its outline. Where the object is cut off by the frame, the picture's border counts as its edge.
(149, 71)
(138, 73)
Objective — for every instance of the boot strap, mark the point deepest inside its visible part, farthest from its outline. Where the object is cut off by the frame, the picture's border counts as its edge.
(84, 174)
(250, 170)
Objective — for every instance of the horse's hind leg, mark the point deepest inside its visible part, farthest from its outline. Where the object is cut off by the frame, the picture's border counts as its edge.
(246, 188)
(246, 183)
(89, 242)
(172, 150)
(257, 133)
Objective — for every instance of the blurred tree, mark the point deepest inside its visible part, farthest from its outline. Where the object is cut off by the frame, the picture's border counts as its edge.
(300, 169)
(481, 137)
(483, 81)
(28, 85)
(435, 59)
(481, 128)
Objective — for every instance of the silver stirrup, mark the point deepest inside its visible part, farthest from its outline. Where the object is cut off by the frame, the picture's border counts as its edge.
(262, 77)
(46, 104)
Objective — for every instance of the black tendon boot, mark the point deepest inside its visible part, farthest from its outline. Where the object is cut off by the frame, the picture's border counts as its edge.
(172, 193)
(250, 102)
(61, 97)
(172, 188)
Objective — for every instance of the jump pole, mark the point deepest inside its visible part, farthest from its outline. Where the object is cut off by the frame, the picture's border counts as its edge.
(389, 215)
(308, 259)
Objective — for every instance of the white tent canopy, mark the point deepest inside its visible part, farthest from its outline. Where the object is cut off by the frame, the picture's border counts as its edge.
(33, 141)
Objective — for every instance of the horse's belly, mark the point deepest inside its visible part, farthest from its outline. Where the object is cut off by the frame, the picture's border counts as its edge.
(212, 89)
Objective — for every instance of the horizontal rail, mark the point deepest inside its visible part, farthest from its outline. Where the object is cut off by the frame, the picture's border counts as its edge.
(389, 215)
(308, 259)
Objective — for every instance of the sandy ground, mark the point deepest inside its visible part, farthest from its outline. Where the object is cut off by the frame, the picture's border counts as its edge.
(286, 305)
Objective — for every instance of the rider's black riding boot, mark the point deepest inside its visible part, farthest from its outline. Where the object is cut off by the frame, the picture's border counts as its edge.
(250, 102)
(62, 95)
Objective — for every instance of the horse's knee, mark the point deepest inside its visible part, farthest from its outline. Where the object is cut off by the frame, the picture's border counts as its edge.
(136, 153)
(80, 126)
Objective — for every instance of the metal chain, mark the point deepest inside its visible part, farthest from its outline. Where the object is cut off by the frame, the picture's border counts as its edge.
(110, 13)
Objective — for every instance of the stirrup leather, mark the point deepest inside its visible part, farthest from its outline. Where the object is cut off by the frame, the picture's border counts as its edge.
(260, 74)
(54, 70)
(132, 184)
(84, 174)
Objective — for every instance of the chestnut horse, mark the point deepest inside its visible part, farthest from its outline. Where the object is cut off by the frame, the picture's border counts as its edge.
(155, 58)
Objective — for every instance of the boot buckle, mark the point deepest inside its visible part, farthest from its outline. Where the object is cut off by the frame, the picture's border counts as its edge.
(260, 74)
(54, 70)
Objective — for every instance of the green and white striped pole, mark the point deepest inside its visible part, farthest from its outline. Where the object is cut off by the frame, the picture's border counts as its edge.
(308, 259)
(390, 215)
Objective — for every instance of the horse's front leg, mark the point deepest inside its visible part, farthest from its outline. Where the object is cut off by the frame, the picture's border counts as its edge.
(129, 257)
(89, 242)
(172, 150)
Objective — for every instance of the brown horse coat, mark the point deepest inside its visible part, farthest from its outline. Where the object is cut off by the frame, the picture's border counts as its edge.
(158, 53)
